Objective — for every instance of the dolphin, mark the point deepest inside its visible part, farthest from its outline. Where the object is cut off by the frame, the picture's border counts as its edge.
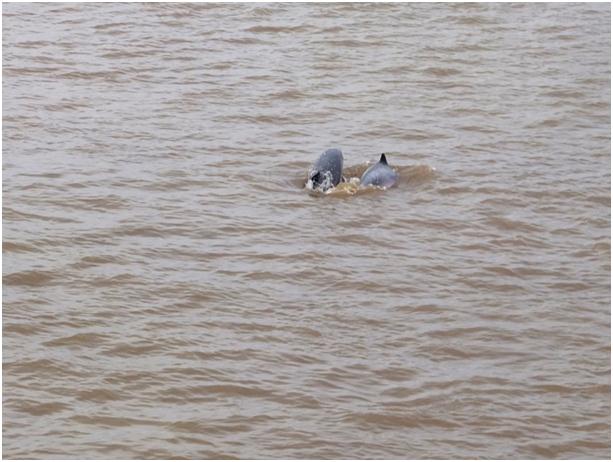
(380, 174)
(327, 171)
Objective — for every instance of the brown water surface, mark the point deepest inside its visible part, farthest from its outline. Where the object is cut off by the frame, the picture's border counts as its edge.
(170, 290)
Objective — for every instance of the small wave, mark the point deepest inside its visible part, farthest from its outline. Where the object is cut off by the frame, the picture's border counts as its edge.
(111, 76)
(242, 41)
(28, 329)
(87, 339)
(507, 224)
(32, 44)
(127, 54)
(17, 247)
(564, 94)
(113, 25)
(276, 29)
(349, 43)
(473, 21)
(99, 395)
(33, 278)
(19, 71)
(23, 216)
(38, 409)
(289, 95)
(392, 421)
(140, 349)
(441, 71)
(417, 174)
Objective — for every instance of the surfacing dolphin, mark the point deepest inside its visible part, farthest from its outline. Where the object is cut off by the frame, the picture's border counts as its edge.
(380, 174)
(327, 171)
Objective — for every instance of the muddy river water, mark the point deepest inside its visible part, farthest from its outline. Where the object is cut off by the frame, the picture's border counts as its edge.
(171, 290)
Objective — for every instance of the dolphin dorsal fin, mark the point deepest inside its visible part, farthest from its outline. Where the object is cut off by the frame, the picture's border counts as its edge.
(383, 160)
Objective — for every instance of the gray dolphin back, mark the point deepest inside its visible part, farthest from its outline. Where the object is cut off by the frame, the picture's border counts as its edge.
(380, 174)
(327, 171)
